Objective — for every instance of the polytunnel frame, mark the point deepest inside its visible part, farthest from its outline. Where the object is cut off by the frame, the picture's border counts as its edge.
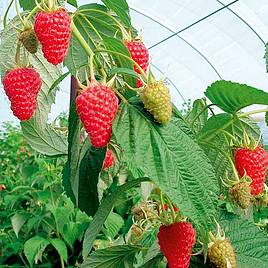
(176, 34)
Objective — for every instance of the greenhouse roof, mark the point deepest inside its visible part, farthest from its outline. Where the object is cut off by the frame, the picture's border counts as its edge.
(193, 43)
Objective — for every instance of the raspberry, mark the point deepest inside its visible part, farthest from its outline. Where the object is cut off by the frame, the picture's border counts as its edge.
(156, 100)
(221, 253)
(140, 54)
(97, 106)
(240, 193)
(176, 243)
(29, 40)
(54, 33)
(109, 160)
(253, 163)
(22, 86)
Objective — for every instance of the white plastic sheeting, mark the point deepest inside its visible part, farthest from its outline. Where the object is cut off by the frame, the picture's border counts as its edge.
(229, 44)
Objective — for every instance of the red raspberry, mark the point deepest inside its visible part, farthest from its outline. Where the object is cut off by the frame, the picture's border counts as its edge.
(97, 107)
(176, 243)
(140, 54)
(254, 163)
(53, 32)
(22, 86)
(109, 160)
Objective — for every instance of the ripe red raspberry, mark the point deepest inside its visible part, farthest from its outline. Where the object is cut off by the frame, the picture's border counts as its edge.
(54, 33)
(140, 54)
(254, 163)
(176, 243)
(22, 86)
(97, 106)
(109, 160)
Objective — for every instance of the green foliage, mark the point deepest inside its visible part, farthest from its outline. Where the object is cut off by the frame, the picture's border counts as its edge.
(35, 215)
(90, 168)
(197, 116)
(42, 137)
(118, 256)
(27, 4)
(250, 243)
(72, 2)
(42, 225)
(34, 247)
(153, 151)
(120, 7)
(232, 97)
(103, 212)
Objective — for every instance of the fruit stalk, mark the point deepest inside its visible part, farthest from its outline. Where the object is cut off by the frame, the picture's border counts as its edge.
(81, 39)
(127, 57)
(253, 112)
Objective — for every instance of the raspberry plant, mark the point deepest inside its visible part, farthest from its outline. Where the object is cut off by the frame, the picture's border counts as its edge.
(170, 159)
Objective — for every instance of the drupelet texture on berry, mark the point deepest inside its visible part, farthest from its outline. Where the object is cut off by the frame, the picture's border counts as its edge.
(140, 54)
(54, 33)
(97, 106)
(176, 242)
(254, 164)
(22, 85)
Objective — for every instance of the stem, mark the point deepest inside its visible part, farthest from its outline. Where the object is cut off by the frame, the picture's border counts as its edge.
(202, 111)
(32, 13)
(253, 112)
(18, 12)
(17, 56)
(98, 63)
(81, 39)
(51, 4)
(163, 206)
(92, 76)
(217, 131)
(126, 57)
(173, 214)
(61, 261)
(226, 156)
(92, 26)
(5, 16)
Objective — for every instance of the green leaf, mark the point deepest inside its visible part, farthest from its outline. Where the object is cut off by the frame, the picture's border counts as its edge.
(127, 71)
(266, 118)
(60, 246)
(120, 7)
(198, 115)
(232, 97)
(249, 242)
(103, 212)
(41, 136)
(58, 81)
(93, 22)
(71, 171)
(154, 262)
(72, 2)
(117, 256)
(153, 257)
(18, 221)
(33, 246)
(27, 4)
(112, 225)
(169, 156)
(89, 170)
(198, 262)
